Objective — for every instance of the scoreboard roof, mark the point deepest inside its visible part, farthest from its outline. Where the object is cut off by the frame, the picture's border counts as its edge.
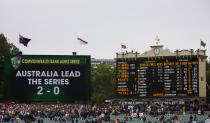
(160, 51)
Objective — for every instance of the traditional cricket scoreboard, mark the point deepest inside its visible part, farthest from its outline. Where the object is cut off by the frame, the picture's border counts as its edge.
(166, 77)
(47, 78)
(158, 76)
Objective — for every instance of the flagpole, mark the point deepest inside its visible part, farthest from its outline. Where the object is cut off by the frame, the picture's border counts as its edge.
(121, 48)
(75, 47)
(75, 43)
(200, 44)
(19, 44)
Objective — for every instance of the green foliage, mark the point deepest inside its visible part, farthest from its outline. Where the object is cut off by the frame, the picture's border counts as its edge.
(102, 83)
(13, 49)
(5, 48)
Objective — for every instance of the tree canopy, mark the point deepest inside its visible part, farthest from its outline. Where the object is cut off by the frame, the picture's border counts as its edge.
(5, 48)
(102, 83)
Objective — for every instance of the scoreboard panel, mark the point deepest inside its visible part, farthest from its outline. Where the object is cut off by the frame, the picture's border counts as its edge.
(166, 77)
(47, 78)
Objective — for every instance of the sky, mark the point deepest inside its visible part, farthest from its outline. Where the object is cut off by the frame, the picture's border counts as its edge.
(55, 25)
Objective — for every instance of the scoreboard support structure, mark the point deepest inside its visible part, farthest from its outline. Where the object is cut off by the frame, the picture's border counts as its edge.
(161, 73)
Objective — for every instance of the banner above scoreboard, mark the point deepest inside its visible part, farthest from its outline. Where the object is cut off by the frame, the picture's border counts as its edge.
(44, 59)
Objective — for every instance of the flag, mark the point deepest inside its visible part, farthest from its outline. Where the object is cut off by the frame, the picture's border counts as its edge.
(81, 41)
(203, 43)
(23, 40)
(123, 46)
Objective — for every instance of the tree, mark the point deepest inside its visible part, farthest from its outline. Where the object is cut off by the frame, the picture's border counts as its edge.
(102, 83)
(5, 49)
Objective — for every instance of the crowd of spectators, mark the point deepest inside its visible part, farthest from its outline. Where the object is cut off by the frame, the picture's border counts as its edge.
(87, 113)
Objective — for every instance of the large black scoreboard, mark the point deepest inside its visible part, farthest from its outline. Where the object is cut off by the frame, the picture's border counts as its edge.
(47, 78)
(162, 77)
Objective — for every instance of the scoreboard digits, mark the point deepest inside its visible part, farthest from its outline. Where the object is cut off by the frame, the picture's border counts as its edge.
(160, 78)
(56, 90)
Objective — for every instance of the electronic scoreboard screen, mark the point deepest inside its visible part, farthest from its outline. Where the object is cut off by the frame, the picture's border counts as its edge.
(166, 77)
(47, 78)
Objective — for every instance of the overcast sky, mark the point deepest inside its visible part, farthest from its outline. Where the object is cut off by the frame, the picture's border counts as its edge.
(54, 25)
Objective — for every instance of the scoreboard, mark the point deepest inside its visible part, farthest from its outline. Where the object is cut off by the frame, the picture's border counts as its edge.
(163, 77)
(47, 78)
